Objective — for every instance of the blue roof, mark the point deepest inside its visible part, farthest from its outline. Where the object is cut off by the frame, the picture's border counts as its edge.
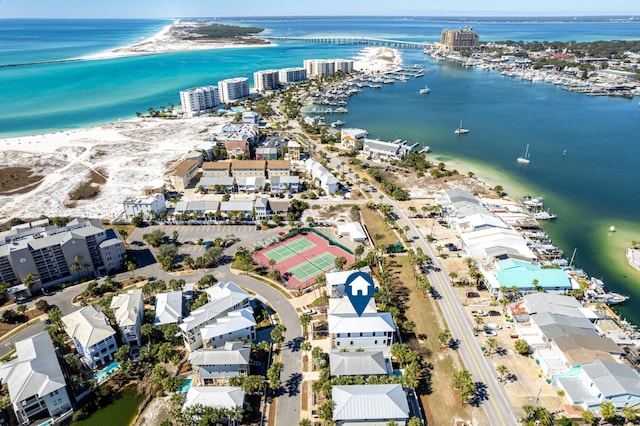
(513, 272)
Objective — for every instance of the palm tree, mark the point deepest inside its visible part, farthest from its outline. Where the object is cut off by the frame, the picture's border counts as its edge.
(492, 344)
(630, 414)
(30, 279)
(305, 320)
(412, 210)
(607, 410)
(444, 336)
(272, 262)
(502, 370)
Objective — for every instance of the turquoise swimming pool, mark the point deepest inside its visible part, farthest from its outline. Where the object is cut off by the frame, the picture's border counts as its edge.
(186, 386)
(102, 374)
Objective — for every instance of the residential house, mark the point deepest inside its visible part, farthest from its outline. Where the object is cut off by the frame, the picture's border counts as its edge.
(227, 397)
(278, 207)
(278, 168)
(248, 168)
(321, 177)
(266, 153)
(251, 184)
(217, 366)
(92, 336)
(261, 208)
(216, 184)
(374, 405)
(237, 208)
(282, 184)
(149, 206)
(234, 132)
(168, 308)
(59, 254)
(600, 381)
(370, 331)
(198, 208)
(337, 280)
(359, 363)
(566, 352)
(353, 138)
(381, 150)
(293, 150)
(181, 173)
(528, 277)
(35, 382)
(352, 230)
(154, 186)
(224, 297)
(236, 149)
(251, 117)
(216, 169)
(236, 325)
(128, 310)
(342, 305)
(195, 155)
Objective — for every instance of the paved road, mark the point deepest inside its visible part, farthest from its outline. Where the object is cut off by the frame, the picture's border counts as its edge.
(493, 399)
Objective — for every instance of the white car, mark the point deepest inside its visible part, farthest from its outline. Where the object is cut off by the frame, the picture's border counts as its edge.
(489, 333)
(479, 313)
(310, 311)
(493, 326)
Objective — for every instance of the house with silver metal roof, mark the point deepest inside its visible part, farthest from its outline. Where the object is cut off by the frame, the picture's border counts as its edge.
(35, 382)
(128, 310)
(374, 405)
(168, 308)
(217, 184)
(597, 382)
(235, 207)
(373, 331)
(236, 325)
(92, 336)
(217, 366)
(227, 397)
(359, 363)
(281, 184)
(382, 150)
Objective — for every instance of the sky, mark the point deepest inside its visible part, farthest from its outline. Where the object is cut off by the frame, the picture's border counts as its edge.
(217, 8)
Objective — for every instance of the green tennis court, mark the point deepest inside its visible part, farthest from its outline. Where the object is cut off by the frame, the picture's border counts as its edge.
(313, 266)
(289, 249)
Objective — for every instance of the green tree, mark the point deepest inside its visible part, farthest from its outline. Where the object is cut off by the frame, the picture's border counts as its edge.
(414, 421)
(30, 279)
(305, 422)
(155, 238)
(444, 336)
(325, 412)
(521, 346)
(277, 334)
(588, 417)
(358, 251)
(340, 262)
(492, 343)
(305, 320)
(607, 410)
(630, 414)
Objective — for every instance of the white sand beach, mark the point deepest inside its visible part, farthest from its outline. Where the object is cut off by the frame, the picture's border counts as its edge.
(170, 39)
(377, 60)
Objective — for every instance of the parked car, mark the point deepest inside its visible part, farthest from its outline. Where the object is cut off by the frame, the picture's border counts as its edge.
(472, 294)
(493, 326)
(489, 333)
(310, 311)
(479, 313)
(494, 314)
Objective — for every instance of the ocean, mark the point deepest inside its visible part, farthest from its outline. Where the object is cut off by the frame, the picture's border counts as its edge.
(591, 188)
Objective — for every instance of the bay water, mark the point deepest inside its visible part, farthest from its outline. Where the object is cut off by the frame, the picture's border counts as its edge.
(591, 188)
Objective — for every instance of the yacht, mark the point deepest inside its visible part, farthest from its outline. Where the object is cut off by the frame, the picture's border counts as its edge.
(525, 158)
(544, 215)
(461, 130)
(425, 90)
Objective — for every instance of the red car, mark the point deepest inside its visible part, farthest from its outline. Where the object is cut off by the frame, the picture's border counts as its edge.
(472, 294)
(281, 233)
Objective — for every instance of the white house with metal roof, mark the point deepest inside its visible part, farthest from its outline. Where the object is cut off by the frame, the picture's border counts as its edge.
(149, 205)
(591, 384)
(352, 230)
(168, 308)
(229, 208)
(321, 177)
(224, 297)
(228, 397)
(251, 184)
(382, 150)
(197, 208)
(236, 325)
(217, 366)
(92, 336)
(128, 310)
(359, 363)
(217, 184)
(281, 184)
(371, 405)
(35, 382)
(374, 331)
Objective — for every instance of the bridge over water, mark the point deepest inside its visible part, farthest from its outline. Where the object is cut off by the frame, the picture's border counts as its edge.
(356, 41)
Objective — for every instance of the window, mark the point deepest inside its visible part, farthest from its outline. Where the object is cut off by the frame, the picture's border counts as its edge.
(351, 343)
(375, 342)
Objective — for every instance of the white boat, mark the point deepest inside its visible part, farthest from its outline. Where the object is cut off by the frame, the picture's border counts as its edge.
(544, 215)
(461, 130)
(425, 90)
(525, 158)
(612, 228)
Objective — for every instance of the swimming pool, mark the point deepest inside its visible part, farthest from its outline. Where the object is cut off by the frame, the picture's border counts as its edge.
(102, 374)
(186, 386)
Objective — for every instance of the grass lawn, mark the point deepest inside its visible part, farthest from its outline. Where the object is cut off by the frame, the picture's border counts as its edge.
(376, 226)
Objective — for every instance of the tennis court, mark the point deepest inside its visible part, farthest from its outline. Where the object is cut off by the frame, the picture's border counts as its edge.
(289, 249)
(313, 266)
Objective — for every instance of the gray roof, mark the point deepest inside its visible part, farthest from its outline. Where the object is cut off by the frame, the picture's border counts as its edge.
(233, 322)
(457, 195)
(290, 179)
(232, 353)
(363, 363)
(216, 180)
(251, 180)
(225, 296)
(577, 391)
(613, 378)
(555, 326)
(197, 206)
(168, 308)
(87, 326)
(261, 202)
(236, 206)
(549, 302)
(125, 307)
(378, 145)
(36, 370)
(595, 343)
(368, 322)
(369, 402)
(214, 396)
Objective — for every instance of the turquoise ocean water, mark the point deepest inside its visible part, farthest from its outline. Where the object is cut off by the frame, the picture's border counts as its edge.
(591, 188)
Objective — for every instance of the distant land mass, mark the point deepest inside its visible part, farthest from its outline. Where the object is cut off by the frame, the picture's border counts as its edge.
(598, 18)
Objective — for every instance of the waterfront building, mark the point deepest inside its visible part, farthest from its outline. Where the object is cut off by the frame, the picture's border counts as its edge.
(34, 380)
(128, 310)
(389, 151)
(181, 173)
(216, 169)
(216, 366)
(168, 308)
(59, 254)
(197, 100)
(458, 39)
(236, 325)
(233, 89)
(266, 80)
(343, 65)
(317, 68)
(370, 404)
(149, 206)
(353, 138)
(92, 336)
(155, 186)
(292, 75)
(527, 277)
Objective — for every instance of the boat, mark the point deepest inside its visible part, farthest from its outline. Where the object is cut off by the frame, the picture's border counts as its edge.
(544, 215)
(525, 158)
(425, 90)
(338, 123)
(612, 228)
(461, 130)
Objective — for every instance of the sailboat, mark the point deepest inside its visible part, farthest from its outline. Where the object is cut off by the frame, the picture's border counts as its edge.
(425, 90)
(525, 158)
(460, 130)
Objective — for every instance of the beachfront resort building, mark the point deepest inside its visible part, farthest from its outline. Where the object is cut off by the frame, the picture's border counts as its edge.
(458, 39)
(149, 206)
(92, 336)
(58, 254)
(292, 75)
(317, 68)
(128, 310)
(180, 174)
(35, 382)
(266, 80)
(233, 89)
(199, 99)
